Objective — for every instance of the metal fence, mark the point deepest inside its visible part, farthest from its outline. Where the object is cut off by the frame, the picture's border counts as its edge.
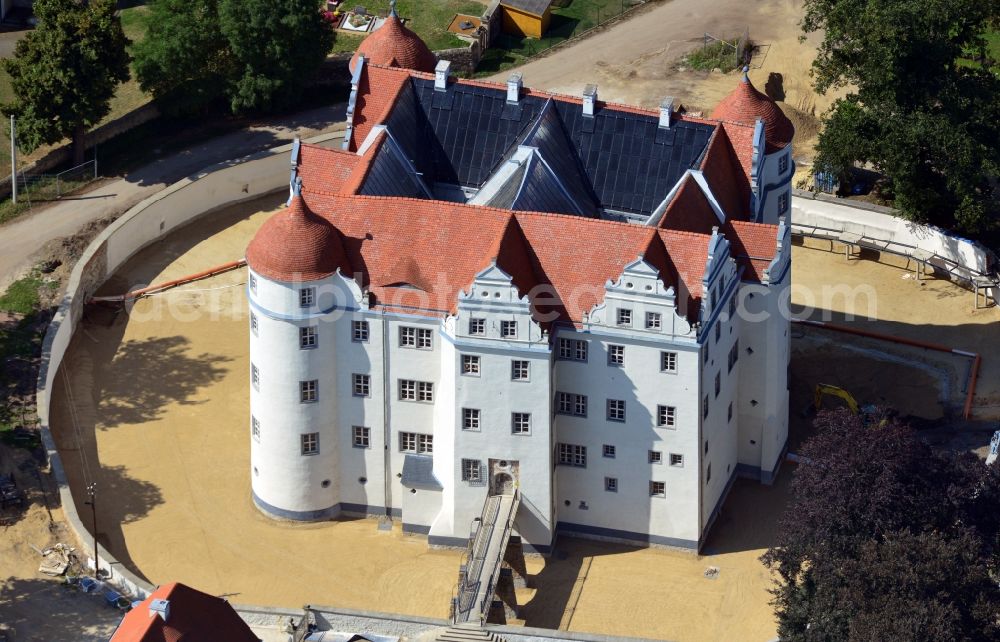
(50, 187)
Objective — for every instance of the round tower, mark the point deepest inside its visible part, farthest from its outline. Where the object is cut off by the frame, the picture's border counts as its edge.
(393, 45)
(774, 171)
(292, 263)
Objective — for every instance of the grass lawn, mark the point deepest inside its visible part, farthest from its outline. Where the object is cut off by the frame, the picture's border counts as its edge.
(429, 19)
(569, 21)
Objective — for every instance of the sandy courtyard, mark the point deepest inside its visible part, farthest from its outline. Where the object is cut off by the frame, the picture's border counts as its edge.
(152, 406)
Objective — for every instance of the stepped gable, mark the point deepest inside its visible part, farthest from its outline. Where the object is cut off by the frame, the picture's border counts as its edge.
(745, 105)
(296, 245)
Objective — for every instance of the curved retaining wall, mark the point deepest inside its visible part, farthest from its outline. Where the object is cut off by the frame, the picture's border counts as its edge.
(883, 224)
(183, 202)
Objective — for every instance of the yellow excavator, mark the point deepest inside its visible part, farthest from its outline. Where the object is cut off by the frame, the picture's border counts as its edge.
(870, 414)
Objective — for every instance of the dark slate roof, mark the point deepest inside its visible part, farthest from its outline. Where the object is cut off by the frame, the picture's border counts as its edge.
(535, 7)
(504, 198)
(391, 174)
(542, 191)
(618, 160)
(418, 472)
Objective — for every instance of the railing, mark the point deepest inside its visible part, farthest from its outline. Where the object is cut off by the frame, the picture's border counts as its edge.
(54, 186)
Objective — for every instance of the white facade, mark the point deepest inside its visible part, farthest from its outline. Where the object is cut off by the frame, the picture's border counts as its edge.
(771, 179)
(611, 428)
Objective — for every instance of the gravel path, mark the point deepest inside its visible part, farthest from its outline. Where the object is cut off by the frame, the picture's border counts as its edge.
(21, 238)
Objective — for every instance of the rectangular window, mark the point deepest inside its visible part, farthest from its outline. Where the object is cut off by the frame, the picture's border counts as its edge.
(308, 391)
(477, 326)
(470, 419)
(783, 203)
(573, 349)
(616, 410)
(572, 455)
(420, 338)
(410, 390)
(730, 417)
(310, 443)
(708, 475)
(568, 403)
(415, 442)
(359, 331)
(718, 384)
(676, 460)
(253, 323)
(609, 451)
(472, 470)
(624, 317)
(362, 436)
(655, 457)
(470, 365)
(734, 354)
(508, 329)
(732, 307)
(255, 376)
(782, 163)
(253, 284)
(706, 446)
(519, 370)
(654, 321)
(255, 427)
(657, 489)
(425, 339)
(704, 407)
(668, 362)
(307, 297)
(718, 331)
(611, 484)
(307, 338)
(616, 355)
(362, 385)
(520, 423)
(666, 416)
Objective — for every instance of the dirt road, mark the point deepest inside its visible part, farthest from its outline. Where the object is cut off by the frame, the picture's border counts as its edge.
(23, 237)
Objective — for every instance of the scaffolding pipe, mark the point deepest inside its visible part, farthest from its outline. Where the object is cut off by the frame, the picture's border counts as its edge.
(160, 287)
(976, 358)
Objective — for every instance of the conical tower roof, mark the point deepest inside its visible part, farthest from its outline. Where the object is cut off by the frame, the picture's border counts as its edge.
(745, 105)
(393, 45)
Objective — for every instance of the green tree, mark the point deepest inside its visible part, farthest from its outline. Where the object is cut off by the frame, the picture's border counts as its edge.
(278, 45)
(917, 110)
(184, 60)
(65, 72)
(886, 539)
(256, 54)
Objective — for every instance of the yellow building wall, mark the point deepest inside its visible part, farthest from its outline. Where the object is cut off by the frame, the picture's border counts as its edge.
(524, 24)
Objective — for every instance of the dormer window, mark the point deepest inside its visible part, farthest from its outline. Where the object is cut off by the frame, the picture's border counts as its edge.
(477, 326)
(624, 317)
(653, 320)
(508, 329)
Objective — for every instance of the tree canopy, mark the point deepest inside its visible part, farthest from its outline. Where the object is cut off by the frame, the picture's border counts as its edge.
(65, 71)
(922, 107)
(256, 54)
(886, 539)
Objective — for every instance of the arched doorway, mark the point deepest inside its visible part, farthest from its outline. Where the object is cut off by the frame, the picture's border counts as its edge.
(503, 484)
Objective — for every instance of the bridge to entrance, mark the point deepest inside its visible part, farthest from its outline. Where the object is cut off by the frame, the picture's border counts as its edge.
(478, 577)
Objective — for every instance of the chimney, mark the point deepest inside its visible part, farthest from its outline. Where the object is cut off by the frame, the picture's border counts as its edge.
(589, 100)
(666, 112)
(514, 84)
(441, 73)
(161, 608)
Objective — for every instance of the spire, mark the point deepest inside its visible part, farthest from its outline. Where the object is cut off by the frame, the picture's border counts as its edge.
(746, 73)
(392, 9)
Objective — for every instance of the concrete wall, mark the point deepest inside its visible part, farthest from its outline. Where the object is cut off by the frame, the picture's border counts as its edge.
(149, 221)
(884, 224)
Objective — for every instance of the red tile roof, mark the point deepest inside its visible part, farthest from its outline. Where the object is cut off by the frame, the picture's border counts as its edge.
(193, 617)
(745, 105)
(296, 245)
(753, 245)
(689, 210)
(725, 175)
(324, 169)
(393, 45)
(377, 92)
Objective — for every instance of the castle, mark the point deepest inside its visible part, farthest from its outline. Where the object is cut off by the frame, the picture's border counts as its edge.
(493, 288)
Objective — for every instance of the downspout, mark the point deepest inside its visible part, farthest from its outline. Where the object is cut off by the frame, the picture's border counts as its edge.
(387, 431)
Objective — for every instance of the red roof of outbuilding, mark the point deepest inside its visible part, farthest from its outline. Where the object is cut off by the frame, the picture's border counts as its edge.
(296, 245)
(745, 105)
(193, 617)
(393, 45)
